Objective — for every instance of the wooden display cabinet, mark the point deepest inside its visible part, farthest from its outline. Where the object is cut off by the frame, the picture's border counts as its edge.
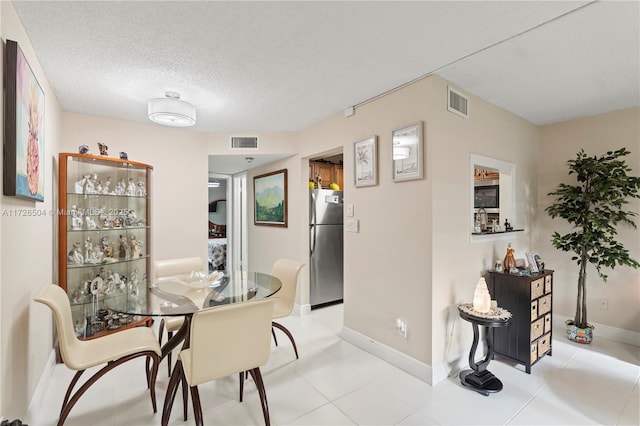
(104, 240)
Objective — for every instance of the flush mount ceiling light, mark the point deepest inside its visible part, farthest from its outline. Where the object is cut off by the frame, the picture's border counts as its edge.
(171, 111)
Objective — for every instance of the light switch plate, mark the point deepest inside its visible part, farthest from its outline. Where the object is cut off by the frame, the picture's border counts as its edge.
(353, 225)
(350, 210)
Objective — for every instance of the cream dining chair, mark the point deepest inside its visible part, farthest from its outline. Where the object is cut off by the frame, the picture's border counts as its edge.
(223, 341)
(163, 269)
(287, 271)
(112, 349)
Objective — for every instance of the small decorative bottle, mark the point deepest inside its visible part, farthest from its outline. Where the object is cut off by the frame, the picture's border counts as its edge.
(498, 266)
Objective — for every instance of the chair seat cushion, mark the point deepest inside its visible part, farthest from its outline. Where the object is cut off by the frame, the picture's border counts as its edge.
(89, 353)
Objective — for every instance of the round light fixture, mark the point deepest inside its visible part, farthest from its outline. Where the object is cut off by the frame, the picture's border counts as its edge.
(171, 111)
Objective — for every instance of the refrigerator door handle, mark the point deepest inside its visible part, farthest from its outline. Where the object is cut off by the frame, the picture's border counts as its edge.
(312, 242)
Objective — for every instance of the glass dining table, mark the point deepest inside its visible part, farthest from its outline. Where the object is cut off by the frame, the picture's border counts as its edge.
(183, 295)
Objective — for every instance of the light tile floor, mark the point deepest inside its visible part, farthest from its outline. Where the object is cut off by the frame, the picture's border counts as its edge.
(336, 383)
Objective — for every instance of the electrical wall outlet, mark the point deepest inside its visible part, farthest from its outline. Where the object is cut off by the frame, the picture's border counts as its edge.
(353, 225)
(604, 304)
(401, 326)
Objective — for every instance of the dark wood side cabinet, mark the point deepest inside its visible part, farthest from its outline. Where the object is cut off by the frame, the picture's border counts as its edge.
(527, 338)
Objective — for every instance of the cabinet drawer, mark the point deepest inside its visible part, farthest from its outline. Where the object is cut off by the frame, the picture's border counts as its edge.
(537, 288)
(547, 284)
(534, 352)
(544, 304)
(547, 323)
(544, 343)
(537, 327)
(534, 310)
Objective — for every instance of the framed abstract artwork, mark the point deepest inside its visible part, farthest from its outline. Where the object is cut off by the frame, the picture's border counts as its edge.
(270, 199)
(23, 128)
(365, 154)
(407, 152)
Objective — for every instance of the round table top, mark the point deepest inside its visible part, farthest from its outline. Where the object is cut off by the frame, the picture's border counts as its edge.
(494, 318)
(185, 294)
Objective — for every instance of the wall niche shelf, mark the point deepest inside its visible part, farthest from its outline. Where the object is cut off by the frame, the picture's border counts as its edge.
(497, 233)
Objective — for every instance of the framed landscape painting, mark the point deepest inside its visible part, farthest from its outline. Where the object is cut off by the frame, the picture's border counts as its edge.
(270, 199)
(23, 128)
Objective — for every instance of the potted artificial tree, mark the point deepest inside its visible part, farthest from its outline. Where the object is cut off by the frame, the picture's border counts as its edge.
(594, 206)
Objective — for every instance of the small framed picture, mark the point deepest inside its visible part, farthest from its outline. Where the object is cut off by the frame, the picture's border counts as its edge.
(407, 152)
(270, 199)
(531, 260)
(365, 154)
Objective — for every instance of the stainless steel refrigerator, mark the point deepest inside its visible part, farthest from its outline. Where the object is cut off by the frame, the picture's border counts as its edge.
(326, 247)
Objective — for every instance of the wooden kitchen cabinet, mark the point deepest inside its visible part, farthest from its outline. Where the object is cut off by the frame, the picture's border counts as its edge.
(527, 338)
(328, 172)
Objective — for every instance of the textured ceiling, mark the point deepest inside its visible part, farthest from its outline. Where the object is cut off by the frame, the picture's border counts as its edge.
(282, 66)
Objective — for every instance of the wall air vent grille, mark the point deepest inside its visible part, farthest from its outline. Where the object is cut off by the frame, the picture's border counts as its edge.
(457, 102)
(244, 142)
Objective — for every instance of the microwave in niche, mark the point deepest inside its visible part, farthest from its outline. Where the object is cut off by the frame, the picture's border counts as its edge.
(486, 197)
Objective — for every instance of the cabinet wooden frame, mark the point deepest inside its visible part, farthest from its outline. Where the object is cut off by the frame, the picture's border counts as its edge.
(69, 273)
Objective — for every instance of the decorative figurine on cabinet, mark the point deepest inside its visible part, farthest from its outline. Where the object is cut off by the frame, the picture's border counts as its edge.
(123, 155)
(106, 185)
(83, 149)
(509, 260)
(103, 149)
(76, 218)
(125, 249)
(136, 247)
(75, 256)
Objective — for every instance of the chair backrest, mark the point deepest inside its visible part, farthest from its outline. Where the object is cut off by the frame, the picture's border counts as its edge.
(57, 300)
(168, 267)
(228, 339)
(287, 271)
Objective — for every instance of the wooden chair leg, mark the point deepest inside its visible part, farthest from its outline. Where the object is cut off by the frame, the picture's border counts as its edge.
(185, 396)
(169, 336)
(288, 333)
(170, 396)
(197, 407)
(257, 378)
(241, 380)
(151, 379)
(70, 400)
(273, 333)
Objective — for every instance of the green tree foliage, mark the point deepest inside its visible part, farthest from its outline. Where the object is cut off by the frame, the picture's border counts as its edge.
(594, 207)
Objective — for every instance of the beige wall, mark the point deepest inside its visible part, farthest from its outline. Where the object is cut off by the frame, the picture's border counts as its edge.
(27, 248)
(558, 143)
(413, 258)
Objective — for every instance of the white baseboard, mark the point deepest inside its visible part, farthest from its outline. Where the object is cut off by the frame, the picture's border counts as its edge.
(612, 333)
(38, 395)
(301, 309)
(394, 357)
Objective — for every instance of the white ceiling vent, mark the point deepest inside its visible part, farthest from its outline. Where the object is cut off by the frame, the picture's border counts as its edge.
(244, 142)
(457, 102)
